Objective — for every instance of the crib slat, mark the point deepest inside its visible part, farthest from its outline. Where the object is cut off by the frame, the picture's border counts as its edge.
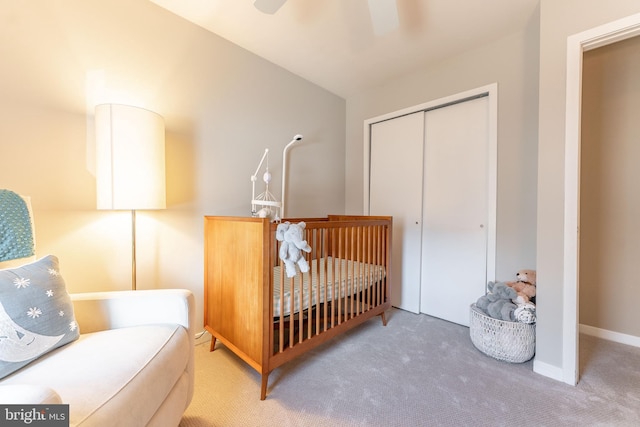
(354, 289)
(324, 281)
(365, 267)
(311, 238)
(333, 278)
(383, 262)
(374, 245)
(367, 254)
(348, 256)
(339, 297)
(379, 262)
(319, 284)
(359, 272)
(281, 321)
(301, 310)
(292, 292)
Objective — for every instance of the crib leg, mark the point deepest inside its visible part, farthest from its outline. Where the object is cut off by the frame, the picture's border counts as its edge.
(213, 343)
(263, 389)
(384, 319)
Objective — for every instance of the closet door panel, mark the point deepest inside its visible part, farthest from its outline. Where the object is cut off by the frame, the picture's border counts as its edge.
(396, 155)
(454, 234)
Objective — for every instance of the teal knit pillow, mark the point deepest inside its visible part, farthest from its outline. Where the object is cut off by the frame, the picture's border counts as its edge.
(36, 313)
(16, 230)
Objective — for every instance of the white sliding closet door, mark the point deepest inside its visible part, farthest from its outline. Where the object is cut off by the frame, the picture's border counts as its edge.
(455, 209)
(396, 189)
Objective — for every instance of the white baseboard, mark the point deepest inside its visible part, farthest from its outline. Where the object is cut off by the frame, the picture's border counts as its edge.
(610, 335)
(551, 371)
(556, 373)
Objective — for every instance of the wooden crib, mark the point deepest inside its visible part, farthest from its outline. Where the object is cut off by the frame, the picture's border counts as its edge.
(267, 318)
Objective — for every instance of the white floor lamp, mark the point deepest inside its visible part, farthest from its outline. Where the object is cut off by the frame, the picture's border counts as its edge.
(130, 163)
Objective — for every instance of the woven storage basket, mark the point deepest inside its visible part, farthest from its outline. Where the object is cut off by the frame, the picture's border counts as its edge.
(513, 342)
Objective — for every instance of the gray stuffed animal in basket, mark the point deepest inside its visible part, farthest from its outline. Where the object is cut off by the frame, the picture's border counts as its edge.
(497, 303)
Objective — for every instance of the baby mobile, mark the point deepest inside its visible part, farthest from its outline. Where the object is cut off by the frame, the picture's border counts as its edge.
(269, 206)
(265, 204)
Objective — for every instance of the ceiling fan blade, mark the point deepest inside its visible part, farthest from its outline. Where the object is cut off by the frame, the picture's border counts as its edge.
(269, 6)
(384, 16)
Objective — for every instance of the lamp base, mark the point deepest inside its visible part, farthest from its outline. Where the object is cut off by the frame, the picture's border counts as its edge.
(133, 250)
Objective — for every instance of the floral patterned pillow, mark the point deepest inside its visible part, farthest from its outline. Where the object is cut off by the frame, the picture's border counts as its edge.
(36, 313)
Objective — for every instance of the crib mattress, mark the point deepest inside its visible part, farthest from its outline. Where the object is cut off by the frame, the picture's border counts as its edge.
(329, 278)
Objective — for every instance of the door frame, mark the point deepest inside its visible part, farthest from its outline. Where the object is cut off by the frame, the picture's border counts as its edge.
(491, 91)
(577, 44)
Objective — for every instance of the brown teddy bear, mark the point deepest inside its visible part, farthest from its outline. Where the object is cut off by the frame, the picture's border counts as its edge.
(525, 286)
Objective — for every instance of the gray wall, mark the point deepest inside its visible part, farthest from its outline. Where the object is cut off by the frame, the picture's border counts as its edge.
(609, 196)
(512, 62)
(558, 20)
(222, 107)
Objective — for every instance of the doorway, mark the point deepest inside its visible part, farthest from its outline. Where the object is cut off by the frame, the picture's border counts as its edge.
(609, 199)
(577, 45)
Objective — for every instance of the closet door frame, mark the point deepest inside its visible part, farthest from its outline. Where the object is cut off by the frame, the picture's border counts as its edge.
(491, 91)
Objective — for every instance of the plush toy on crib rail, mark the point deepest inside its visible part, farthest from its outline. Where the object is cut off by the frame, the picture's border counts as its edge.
(291, 236)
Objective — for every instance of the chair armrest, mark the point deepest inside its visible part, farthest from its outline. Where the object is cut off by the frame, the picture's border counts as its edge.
(22, 394)
(99, 311)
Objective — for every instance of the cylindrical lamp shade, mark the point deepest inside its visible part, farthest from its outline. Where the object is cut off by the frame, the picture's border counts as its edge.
(130, 161)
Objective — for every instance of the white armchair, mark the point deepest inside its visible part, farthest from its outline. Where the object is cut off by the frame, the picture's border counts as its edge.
(131, 365)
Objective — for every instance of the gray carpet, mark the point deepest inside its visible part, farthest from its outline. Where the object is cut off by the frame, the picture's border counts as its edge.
(416, 371)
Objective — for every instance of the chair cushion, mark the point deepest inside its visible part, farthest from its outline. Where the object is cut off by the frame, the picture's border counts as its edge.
(117, 377)
(36, 314)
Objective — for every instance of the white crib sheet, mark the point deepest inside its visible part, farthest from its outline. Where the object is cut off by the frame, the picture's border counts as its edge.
(342, 281)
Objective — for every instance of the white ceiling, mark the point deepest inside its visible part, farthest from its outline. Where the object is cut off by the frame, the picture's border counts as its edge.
(332, 43)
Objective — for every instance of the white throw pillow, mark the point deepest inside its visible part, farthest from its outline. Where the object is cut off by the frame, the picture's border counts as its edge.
(36, 313)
